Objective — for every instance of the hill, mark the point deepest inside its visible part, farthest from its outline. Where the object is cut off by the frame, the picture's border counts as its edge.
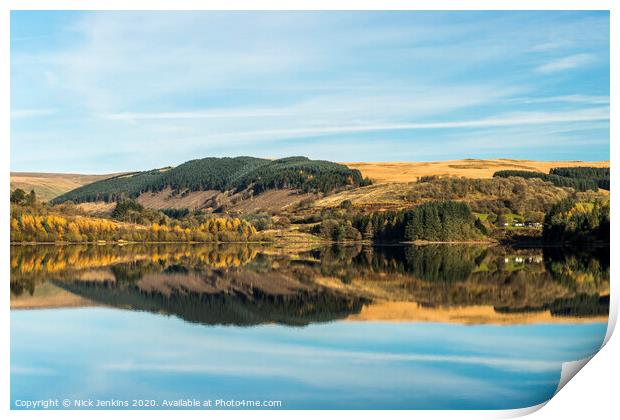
(380, 172)
(51, 185)
(481, 194)
(394, 184)
(249, 175)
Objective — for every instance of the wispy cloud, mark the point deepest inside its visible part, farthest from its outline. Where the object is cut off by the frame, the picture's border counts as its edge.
(328, 140)
(337, 108)
(30, 113)
(512, 119)
(32, 370)
(565, 63)
(570, 99)
(197, 114)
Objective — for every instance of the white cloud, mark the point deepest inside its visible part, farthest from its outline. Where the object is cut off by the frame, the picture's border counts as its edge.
(565, 63)
(571, 99)
(523, 138)
(346, 105)
(512, 119)
(30, 113)
(223, 113)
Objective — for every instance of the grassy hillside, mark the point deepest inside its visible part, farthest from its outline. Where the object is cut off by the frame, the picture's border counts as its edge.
(50, 185)
(380, 172)
(222, 174)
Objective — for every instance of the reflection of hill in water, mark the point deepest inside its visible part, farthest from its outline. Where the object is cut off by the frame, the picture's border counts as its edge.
(301, 308)
(578, 306)
(246, 285)
(202, 287)
(563, 281)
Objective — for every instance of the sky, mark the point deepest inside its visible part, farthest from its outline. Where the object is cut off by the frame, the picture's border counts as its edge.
(102, 92)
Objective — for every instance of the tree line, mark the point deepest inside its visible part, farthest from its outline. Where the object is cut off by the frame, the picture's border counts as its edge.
(578, 184)
(55, 228)
(600, 175)
(32, 221)
(433, 221)
(577, 221)
(493, 195)
(581, 178)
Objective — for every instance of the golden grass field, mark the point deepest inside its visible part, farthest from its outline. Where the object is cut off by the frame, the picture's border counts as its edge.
(48, 295)
(50, 185)
(381, 172)
(468, 315)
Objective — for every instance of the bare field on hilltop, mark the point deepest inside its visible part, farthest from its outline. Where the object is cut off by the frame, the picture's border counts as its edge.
(468, 315)
(48, 295)
(50, 185)
(382, 172)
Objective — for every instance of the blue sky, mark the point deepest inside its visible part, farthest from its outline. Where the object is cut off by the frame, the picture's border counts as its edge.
(98, 92)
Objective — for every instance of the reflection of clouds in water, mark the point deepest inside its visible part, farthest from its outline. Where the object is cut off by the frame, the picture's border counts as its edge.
(31, 370)
(355, 358)
(107, 352)
(351, 374)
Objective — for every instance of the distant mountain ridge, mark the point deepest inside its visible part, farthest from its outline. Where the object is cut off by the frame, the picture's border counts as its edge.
(222, 174)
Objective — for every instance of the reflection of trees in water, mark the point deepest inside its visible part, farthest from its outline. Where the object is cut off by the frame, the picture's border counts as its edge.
(297, 309)
(581, 305)
(25, 284)
(563, 281)
(133, 271)
(588, 267)
(53, 258)
(206, 284)
(435, 263)
(35, 264)
(584, 272)
(443, 264)
(456, 263)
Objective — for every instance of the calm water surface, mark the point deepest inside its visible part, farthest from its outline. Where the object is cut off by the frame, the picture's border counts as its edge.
(441, 326)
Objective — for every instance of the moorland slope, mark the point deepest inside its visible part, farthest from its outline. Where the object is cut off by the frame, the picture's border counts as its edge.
(380, 172)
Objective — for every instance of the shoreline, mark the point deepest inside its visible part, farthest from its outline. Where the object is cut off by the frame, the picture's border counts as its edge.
(516, 244)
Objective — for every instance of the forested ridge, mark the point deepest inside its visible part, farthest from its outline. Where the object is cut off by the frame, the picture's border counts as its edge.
(222, 174)
(600, 175)
(582, 178)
